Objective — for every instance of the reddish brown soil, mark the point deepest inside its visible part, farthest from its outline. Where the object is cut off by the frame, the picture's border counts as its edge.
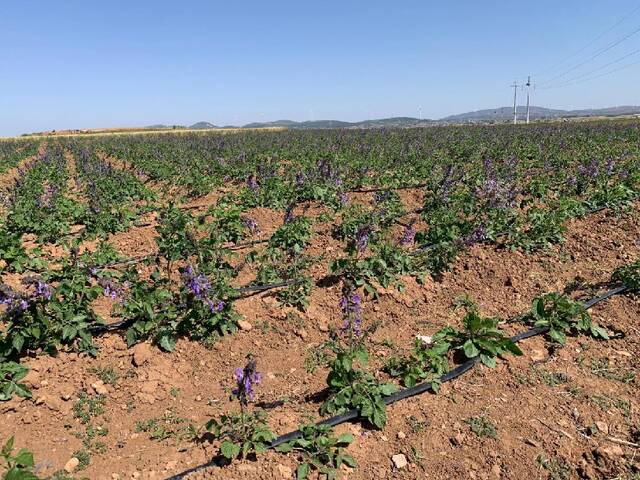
(531, 417)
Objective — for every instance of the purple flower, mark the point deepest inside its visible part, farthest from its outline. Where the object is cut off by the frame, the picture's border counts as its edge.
(609, 167)
(216, 306)
(300, 179)
(409, 234)
(252, 183)
(344, 198)
(351, 306)
(478, 235)
(381, 197)
(498, 192)
(15, 302)
(201, 288)
(246, 379)
(47, 198)
(43, 290)
(590, 171)
(250, 224)
(289, 216)
(362, 237)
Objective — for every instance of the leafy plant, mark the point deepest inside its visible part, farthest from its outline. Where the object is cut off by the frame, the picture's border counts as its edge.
(482, 427)
(562, 315)
(10, 374)
(168, 426)
(628, 275)
(481, 338)
(350, 385)
(150, 307)
(44, 317)
(12, 251)
(319, 450)
(426, 362)
(19, 466)
(284, 260)
(242, 433)
(542, 228)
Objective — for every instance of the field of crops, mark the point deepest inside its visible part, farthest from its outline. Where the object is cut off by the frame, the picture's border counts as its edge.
(453, 302)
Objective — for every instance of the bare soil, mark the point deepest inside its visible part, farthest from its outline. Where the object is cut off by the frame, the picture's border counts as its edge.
(544, 405)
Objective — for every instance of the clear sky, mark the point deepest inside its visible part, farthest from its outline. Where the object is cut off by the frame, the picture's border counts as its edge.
(85, 64)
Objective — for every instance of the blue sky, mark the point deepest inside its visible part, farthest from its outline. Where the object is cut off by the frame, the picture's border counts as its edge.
(85, 64)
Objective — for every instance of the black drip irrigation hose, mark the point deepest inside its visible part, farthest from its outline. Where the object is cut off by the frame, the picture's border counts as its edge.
(240, 246)
(112, 327)
(415, 390)
(380, 189)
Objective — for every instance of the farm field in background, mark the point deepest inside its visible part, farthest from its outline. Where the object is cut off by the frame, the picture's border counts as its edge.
(173, 300)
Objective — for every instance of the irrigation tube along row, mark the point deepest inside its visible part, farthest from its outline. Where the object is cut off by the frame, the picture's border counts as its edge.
(417, 389)
(112, 327)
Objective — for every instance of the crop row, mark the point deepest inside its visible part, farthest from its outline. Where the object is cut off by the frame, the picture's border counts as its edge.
(515, 188)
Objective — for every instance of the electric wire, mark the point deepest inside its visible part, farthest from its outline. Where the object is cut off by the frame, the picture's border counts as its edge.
(592, 57)
(588, 44)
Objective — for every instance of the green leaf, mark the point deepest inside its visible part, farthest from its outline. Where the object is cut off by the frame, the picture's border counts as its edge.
(284, 448)
(229, 450)
(487, 360)
(8, 446)
(379, 418)
(167, 342)
(345, 439)
(598, 331)
(24, 458)
(17, 342)
(557, 336)
(513, 348)
(387, 389)
(470, 350)
(349, 461)
(21, 390)
(302, 471)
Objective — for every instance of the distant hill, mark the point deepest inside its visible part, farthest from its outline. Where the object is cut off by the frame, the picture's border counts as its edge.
(503, 114)
(490, 115)
(314, 124)
(202, 126)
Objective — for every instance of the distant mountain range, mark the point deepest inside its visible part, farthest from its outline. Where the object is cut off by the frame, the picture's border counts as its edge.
(501, 114)
(506, 114)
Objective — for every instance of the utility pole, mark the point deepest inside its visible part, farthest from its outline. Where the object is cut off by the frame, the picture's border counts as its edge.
(515, 96)
(528, 85)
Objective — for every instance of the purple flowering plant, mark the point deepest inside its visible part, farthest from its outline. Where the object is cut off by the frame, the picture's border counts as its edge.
(245, 432)
(41, 317)
(206, 310)
(350, 384)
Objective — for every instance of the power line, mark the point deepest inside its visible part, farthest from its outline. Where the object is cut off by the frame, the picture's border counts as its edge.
(591, 42)
(595, 55)
(624, 67)
(586, 74)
